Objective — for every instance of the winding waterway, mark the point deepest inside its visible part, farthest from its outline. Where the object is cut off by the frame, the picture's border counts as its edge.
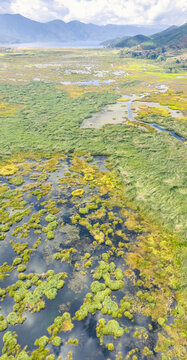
(154, 126)
(122, 111)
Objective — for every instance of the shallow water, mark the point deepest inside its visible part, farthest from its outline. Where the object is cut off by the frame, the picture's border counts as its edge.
(122, 111)
(162, 88)
(88, 82)
(174, 113)
(77, 285)
(111, 114)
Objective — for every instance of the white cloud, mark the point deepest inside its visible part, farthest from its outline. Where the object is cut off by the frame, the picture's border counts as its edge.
(40, 10)
(5, 6)
(104, 11)
(127, 11)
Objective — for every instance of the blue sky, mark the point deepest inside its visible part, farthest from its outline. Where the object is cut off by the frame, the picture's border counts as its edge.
(166, 12)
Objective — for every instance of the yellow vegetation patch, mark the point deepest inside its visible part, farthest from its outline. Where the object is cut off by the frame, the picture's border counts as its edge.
(122, 99)
(145, 110)
(175, 100)
(9, 169)
(73, 90)
(67, 325)
(78, 192)
(52, 163)
(139, 125)
(8, 110)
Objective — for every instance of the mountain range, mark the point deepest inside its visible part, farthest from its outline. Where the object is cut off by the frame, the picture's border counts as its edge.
(173, 37)
(15, 28)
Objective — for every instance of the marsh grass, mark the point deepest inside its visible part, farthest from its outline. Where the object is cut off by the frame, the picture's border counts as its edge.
(150, 166)
(153, 176)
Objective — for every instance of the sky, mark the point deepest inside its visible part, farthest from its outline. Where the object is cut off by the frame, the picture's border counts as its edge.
(101, 12)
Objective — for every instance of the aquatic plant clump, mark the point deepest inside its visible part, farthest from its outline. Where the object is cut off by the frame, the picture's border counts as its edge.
(103, 262)
(110, 328)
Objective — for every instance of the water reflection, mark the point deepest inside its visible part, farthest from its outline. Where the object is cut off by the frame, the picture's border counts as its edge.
(77, 236)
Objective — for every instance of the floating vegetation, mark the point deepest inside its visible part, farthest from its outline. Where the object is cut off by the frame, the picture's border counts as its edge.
(10, 169)
(119, 267)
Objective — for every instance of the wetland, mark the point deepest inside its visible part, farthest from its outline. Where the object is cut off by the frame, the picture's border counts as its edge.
(93, 206)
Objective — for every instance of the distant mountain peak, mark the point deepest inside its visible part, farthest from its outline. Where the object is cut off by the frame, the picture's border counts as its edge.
(57, 21)
(17, 28)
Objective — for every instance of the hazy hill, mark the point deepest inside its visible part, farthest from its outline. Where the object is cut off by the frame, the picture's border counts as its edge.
(132, 41)
(17, 28)
(173, 37)
(59, 30)
(164, 32)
